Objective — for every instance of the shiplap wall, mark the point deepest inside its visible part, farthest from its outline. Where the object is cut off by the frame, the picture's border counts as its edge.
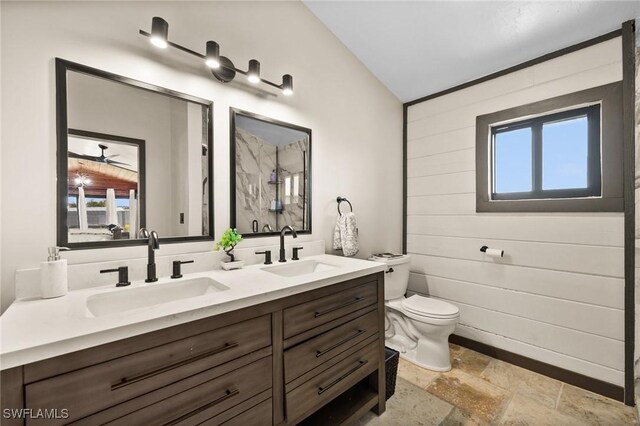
(557, 295)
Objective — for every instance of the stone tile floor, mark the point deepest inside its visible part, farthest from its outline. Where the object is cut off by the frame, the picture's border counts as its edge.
(480, 390)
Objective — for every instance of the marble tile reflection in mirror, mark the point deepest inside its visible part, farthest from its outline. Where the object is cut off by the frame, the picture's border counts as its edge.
(271, 175)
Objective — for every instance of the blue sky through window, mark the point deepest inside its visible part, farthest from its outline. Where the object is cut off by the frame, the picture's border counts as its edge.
(513, 161)
(565, 147)
(564, 154)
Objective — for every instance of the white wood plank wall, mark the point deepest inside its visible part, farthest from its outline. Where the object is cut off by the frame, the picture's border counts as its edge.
(557, 295)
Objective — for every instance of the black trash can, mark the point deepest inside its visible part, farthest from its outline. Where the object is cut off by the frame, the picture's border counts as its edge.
(391, 358)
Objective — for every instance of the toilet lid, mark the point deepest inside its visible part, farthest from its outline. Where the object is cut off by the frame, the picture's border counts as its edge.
(429, 307)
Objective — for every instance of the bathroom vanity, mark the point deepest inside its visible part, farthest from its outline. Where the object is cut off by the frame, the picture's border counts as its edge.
(247, 355)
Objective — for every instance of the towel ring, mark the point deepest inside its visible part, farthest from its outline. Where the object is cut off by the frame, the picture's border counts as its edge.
(341, 199)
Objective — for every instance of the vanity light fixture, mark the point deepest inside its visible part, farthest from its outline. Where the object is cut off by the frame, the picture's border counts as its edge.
(213, 55)
(253, 75)
(287, 85)
(159, 32)
(221, 67)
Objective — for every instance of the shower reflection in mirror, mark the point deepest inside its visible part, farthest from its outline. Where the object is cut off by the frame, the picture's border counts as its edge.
(271, 163)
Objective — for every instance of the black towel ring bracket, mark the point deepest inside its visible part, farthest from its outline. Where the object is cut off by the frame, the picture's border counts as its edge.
(340, 200)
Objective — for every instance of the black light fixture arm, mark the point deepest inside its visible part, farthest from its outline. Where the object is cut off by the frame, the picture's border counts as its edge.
(287, 80)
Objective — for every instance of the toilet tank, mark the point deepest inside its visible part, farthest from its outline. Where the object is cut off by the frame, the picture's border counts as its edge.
(396, 277)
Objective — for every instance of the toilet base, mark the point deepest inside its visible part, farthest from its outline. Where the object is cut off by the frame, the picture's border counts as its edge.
(404, 346)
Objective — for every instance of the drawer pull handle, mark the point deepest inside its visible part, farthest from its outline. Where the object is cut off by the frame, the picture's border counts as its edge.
(128, 381)
(229, 393)
(321, 352)
(335, 308)
(323, 389)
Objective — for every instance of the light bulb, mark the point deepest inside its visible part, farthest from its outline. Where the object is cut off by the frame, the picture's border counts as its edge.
(212, 58)
(212, 63)
(287, 85)
(253, 75)
(158, 42)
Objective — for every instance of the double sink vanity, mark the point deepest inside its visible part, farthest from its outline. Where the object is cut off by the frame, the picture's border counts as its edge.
(292, 343)
(295, 342)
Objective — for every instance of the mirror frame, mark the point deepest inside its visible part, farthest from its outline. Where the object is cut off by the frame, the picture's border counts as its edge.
(62, 66)
(232, 163)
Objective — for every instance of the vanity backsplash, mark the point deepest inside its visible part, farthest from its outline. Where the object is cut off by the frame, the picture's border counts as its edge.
(87, 275)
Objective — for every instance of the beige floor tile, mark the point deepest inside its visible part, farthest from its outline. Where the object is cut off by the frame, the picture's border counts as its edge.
(594, 409)
(414, 374)
(409, 406)
(528, 384)
(455, 350)
(471, 362)
(470, 393)
(457, 417)
(523, 411)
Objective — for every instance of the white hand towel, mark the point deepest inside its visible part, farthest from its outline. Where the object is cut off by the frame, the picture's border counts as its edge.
(346, 235)
(337, 241)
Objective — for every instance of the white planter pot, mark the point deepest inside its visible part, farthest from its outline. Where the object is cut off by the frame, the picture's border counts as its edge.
(227, 266)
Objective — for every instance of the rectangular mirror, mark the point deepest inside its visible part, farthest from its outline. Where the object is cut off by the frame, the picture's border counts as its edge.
(130, 155)
(270, 175)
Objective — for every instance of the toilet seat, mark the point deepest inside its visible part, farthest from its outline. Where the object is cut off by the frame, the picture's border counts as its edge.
(429, 308)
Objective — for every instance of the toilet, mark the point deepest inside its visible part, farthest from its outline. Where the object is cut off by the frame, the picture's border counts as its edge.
(418, 327)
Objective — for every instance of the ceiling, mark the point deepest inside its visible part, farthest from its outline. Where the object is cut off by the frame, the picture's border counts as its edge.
(417, 48)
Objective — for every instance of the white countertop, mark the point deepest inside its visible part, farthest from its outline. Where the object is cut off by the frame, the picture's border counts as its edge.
(36, 329)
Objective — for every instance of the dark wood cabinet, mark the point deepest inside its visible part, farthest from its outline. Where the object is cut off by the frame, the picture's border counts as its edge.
(275, 363)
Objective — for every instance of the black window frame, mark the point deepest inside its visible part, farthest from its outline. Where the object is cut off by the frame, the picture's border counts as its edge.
(594, 165)
(609, 96)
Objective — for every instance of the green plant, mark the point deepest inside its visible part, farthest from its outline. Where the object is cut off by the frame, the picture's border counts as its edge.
(228, 242)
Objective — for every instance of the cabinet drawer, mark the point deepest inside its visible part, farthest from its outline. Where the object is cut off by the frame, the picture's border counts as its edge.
(310, 354)
(88, 390)
(324, 387)
(260, 415)
(306, 316)
(206, 400)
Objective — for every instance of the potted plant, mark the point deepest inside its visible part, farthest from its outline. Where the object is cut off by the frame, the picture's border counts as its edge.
(228, 242)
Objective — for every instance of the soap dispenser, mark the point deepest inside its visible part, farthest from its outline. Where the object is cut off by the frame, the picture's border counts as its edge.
(53, 274)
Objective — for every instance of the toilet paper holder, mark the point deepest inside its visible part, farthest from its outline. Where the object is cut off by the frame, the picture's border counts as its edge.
(492, 252)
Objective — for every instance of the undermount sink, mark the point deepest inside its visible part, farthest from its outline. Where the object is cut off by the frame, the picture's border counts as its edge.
(123, 300)
(296, 268)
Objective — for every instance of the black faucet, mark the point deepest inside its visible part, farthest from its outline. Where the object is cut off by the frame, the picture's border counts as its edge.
(154, 244)
(282, 233)
(123, 275)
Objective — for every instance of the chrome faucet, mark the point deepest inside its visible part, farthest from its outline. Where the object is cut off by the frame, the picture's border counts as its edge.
(282, 233)
(154, 244)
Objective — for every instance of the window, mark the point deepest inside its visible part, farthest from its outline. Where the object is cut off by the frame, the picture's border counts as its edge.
(296, 187)
(550, 156)
(287, 190)
(563, 154)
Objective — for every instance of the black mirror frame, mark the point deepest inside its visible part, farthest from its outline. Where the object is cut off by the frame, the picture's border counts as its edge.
(61, 67)
(232, 168)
